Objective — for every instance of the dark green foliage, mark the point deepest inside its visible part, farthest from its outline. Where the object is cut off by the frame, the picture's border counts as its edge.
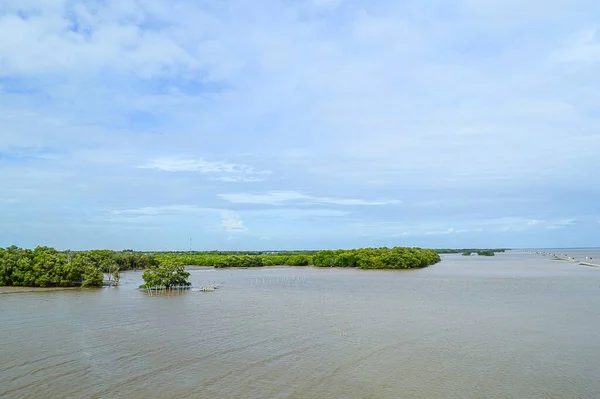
(47, 267)
(485, 253)
(92, 277)
(367, 258)
(224, 259)
(467, 253)
(239, 261)
(377, 258)
(297, 260)
(167, 275)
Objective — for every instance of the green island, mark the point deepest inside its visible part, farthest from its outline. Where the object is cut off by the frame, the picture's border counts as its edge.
(484, 252)
(48, 267)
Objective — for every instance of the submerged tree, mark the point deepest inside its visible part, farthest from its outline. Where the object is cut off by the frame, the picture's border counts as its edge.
(166, 275)
(110, 268)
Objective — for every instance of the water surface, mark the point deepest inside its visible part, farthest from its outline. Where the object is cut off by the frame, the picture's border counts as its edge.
(515, 325)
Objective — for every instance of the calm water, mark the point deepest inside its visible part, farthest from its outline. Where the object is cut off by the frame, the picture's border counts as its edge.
(516, 325)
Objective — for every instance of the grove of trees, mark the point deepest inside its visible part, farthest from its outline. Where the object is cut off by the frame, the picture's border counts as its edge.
(167, 275)
(240, 259)
(377, 258)
(47, 267)
(481, 252)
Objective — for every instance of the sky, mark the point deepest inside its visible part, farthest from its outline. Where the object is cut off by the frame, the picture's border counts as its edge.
(299, 124)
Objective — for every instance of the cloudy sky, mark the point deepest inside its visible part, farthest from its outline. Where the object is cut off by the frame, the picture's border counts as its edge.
(266, 124)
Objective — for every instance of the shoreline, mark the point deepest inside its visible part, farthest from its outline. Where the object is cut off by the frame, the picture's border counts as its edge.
(10, 289)
(245, 268)
(567, 258)
(306, 267)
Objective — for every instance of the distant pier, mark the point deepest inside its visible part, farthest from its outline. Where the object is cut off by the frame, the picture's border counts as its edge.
(567, 258)
(590, 264)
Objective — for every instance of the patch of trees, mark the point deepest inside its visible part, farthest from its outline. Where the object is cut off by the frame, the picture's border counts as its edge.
(165, 276)
(236, 260)
(480, 252)
(377, 258)
(47, 267)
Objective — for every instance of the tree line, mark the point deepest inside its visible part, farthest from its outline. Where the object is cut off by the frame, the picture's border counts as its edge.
(47, 267)
(235, 259)
(377, 258)
(365, 258)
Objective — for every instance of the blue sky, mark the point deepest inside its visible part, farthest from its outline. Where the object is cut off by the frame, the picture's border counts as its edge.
(299, 123)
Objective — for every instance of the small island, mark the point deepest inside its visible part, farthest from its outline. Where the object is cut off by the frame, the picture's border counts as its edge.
(480, 252)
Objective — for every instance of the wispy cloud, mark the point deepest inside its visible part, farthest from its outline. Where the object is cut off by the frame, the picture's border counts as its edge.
(230, 220)
(160, 210)
(193, 165)
(296, 214)
(465, 227)
(225, 171)
(280, 197)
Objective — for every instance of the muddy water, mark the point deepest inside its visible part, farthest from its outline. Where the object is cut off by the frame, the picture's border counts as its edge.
(516, 325)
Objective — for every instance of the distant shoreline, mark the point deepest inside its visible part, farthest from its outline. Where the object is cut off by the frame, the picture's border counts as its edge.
(568, 258)
(191, 267)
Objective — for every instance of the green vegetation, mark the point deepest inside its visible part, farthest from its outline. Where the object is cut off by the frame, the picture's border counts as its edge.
(367, 258)
(167, 275)
(47, 267)
(480, 252)
(377, 258)
(237, 259)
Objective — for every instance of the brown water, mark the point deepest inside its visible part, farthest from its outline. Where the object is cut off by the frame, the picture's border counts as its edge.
(516, 325)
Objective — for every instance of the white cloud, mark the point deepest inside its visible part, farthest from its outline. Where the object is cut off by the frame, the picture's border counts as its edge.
(561, 223)
(228, 172)
(484, 226)
(239, 179)
(160, 210)
(100, 41)
(351, 201)
(269, 198)
(231, 221)
(279, 197)
(296, 214)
